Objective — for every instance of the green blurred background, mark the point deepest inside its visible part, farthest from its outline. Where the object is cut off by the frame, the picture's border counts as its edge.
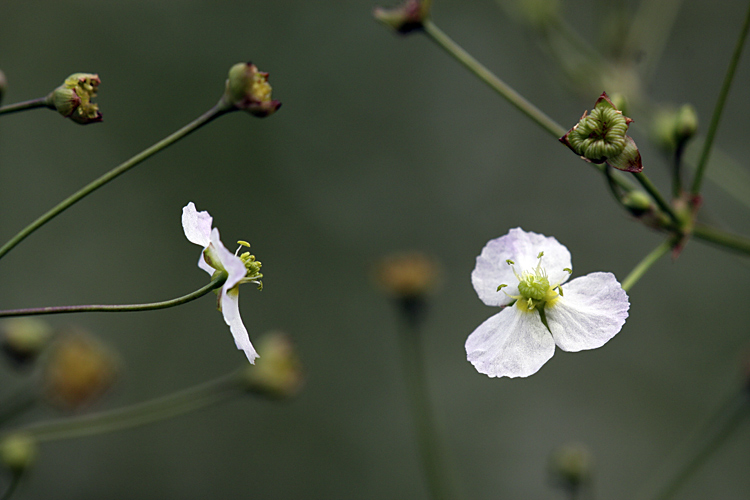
(383, 144)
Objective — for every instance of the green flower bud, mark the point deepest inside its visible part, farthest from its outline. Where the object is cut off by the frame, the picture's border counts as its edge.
(673, 128)
(248, 89)
(73, 98)
(18, 451)
(24, 338)
(278, 372)
(600, 137)
(405, 18)
(638, 203)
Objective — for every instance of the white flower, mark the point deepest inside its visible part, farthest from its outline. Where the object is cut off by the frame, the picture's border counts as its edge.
(529, 269)
(215, 257)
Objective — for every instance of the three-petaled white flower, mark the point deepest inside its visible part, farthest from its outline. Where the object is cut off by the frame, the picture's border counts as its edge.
(524, 273)
(215, 257)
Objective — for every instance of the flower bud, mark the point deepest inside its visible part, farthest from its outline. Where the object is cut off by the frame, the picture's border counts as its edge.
(673, 128)
(600, 137)
(571, 466)
(638, 203)
(405, 18)
(409, 278)
(18, 451)
(24, 338)
(248, 89)
(73, 98)
(78, 370)
(278, 372)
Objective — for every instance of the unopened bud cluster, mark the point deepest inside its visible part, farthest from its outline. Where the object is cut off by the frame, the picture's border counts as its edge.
(248, 89)
(601, 137)
(405, 18)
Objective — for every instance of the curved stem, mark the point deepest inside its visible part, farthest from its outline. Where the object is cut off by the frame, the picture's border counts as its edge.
(722, 238)
(720, 102)
(169, 406)
(215, 283)
(216, 111)
(502, 88)
(513, 97)
(644, 265)
(40, 102)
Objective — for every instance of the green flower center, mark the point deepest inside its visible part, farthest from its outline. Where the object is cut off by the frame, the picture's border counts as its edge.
(535, 291)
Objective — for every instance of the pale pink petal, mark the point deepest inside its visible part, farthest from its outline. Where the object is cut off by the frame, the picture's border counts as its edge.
(230, 309)
(591, 311)
(197, 225)
(512, 343)
(522, 248)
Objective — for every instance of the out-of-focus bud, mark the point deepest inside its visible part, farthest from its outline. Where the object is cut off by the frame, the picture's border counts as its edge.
(248, 89)
(3, 85)
(570, 466)
(24, 338)
(409, 278)
(78, 370)
(18, 451)
(538, 13)
(601, 137)
(278, 372)
(671, 128)
(405, 18)
(638, 203)
(73, 98)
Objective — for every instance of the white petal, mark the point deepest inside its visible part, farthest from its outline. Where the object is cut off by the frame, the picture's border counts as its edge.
(232, 264)
(197, 225)
(511, 343)
(230, 308)
(522, 248)
(590, 313)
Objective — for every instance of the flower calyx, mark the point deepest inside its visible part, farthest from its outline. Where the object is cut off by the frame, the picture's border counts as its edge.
(247, 89)
(252, 266)
(73, 98)
(407, 17)
(601, 137)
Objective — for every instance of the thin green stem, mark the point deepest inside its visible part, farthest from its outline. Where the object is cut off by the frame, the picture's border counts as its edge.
(720, 102)
(440, 480)
(657, 197)
(513, 97)
(40, 102)
(704, 442)
(722, 238)
(540, 118)
(215, 283)
(216, 111)
(163, 408)
(644, 265)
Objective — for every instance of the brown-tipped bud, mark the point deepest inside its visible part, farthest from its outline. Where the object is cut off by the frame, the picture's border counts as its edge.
(78, 370)
(570, 466)
(73, 98)
(278, 372)
(405, 18)
(24, 338)
(601, 137)
(248, 89)
(18, 451)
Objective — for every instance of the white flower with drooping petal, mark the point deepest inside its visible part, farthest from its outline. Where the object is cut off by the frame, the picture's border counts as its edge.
(215, 257)
(523, 273)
